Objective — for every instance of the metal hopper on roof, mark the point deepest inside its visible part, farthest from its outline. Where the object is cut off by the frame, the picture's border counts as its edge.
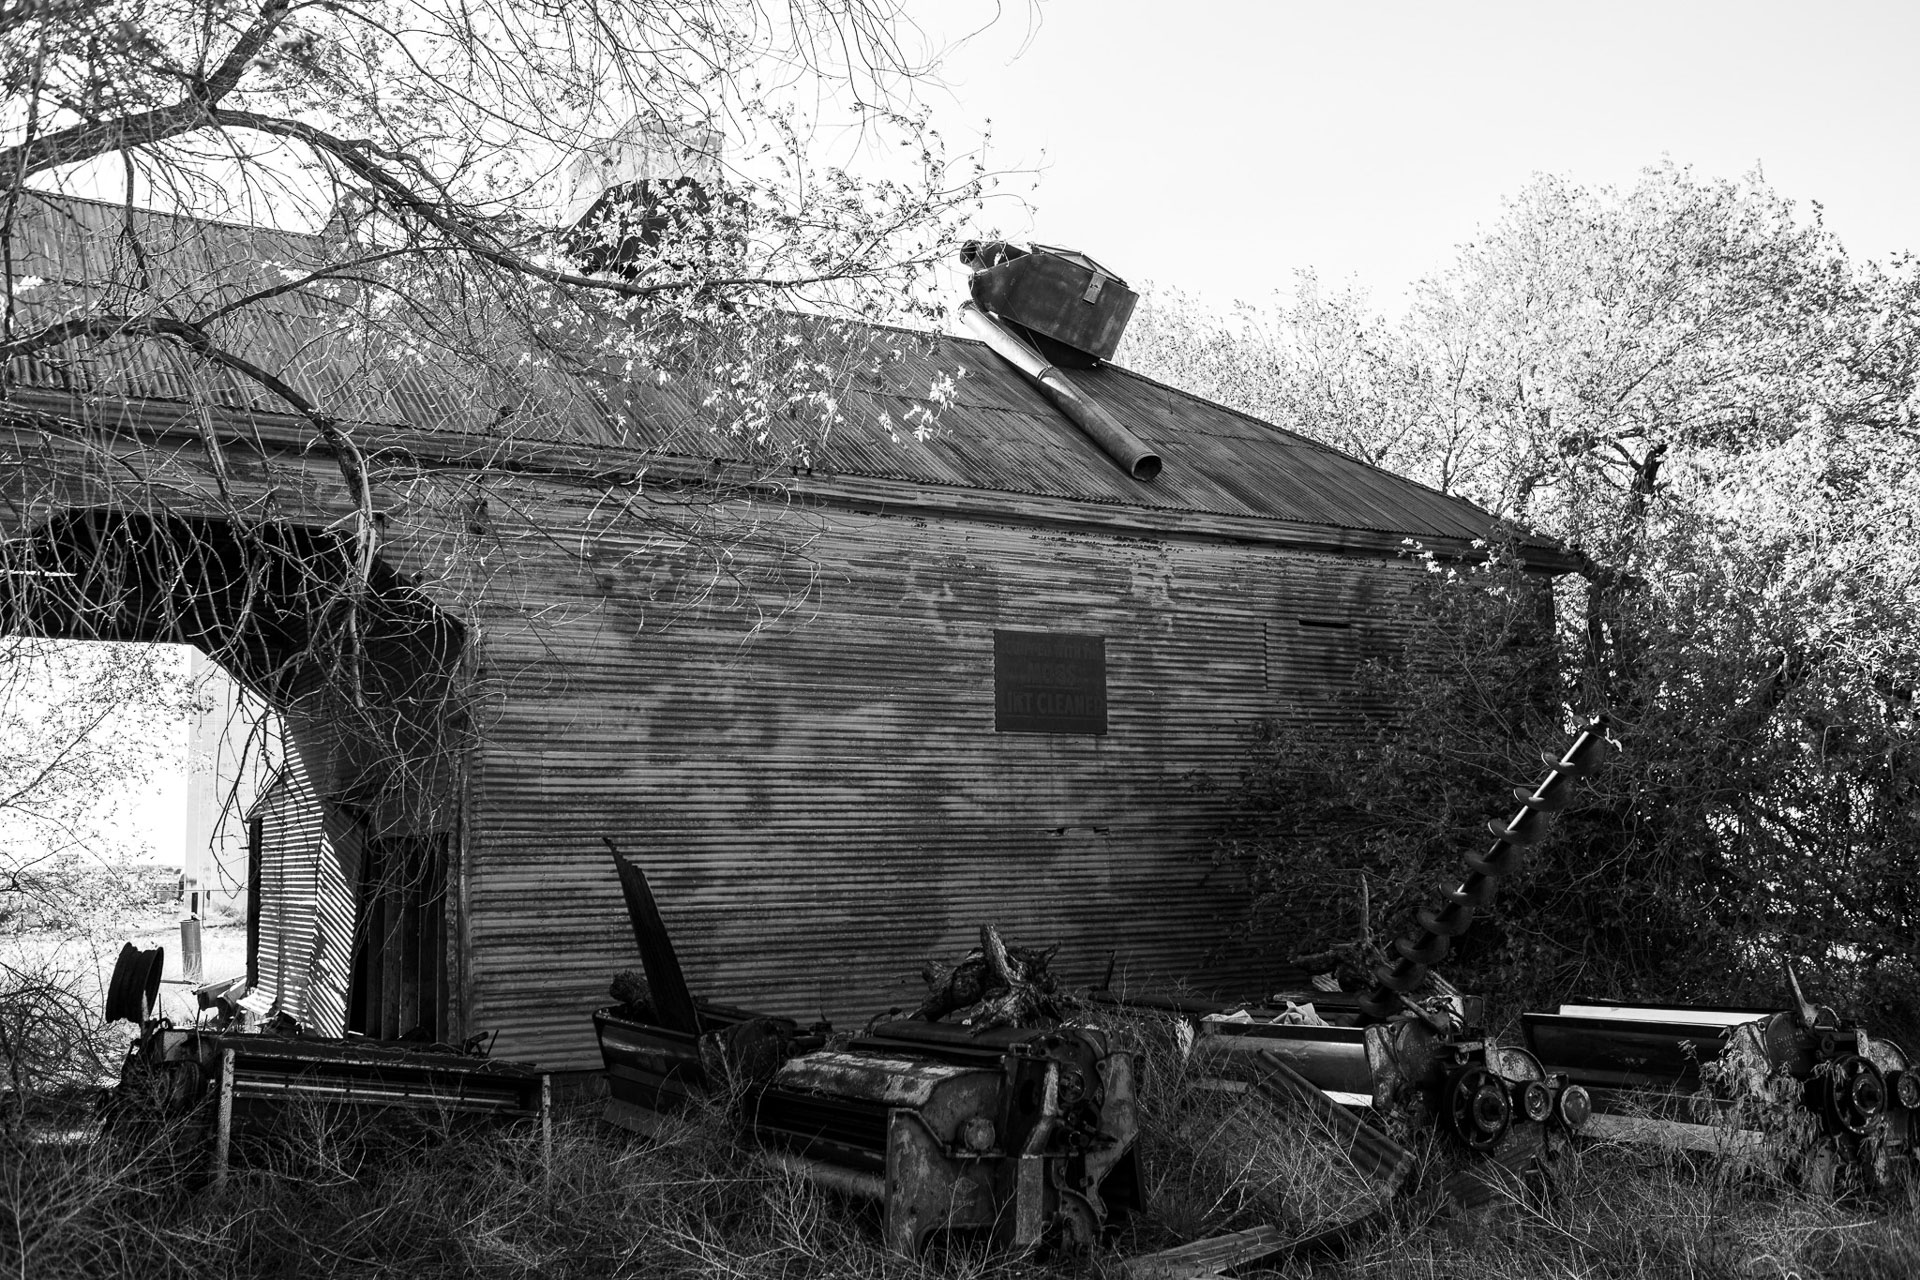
(1055, 307)
(1061, 295)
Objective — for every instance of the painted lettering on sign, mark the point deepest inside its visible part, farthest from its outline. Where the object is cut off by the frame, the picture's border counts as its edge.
(1049, 682)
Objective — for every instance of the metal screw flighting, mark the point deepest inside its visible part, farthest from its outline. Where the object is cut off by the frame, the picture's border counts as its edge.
(1431, 939)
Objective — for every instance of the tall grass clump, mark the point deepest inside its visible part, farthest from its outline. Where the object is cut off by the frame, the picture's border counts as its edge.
(1214, 1161)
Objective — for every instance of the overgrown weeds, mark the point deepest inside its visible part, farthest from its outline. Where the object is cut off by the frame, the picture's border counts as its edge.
(1215, 1161)
(53, 1050)
(1617, 1212)
(327, 1193)
(331, 1196)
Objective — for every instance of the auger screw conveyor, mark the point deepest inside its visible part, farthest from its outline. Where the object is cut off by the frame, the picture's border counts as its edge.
(1391, 1059)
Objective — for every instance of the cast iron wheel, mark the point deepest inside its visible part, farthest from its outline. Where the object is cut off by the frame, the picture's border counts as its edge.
(1478, 1107)
(1855, 1092)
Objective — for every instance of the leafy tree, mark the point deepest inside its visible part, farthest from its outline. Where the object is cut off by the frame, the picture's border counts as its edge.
(82, 729)
(378, 212)
(1694, 387)
(369, 214)
(444, 151)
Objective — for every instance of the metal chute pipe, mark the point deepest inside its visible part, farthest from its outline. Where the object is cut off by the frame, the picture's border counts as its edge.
(1135, 457)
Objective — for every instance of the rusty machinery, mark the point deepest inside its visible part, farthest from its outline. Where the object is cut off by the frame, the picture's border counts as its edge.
(950, 1129)
(223, 1083)
(1024, 1135)
(1383, 1052)
(1383, 1061)
(1794, 1086)
(1434, 1071)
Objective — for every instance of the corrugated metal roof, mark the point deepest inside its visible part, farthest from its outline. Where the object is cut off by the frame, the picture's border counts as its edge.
(995, 432)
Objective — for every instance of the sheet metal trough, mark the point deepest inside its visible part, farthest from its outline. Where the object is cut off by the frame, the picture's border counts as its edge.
(654, 1070)
(1609, 1047)
(276, 1070)
(241, 1083)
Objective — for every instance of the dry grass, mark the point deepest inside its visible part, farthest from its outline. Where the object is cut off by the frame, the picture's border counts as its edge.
(327, 1198)
(1619, 1212)
(1215, 1162)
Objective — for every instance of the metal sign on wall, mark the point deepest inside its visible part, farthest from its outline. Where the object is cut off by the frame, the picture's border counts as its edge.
(1049, 682)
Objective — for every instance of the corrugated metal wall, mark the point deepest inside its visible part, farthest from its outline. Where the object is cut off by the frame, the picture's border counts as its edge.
(825, 804)
(304, 906)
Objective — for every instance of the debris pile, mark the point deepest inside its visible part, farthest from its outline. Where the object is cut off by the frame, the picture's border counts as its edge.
(1004, 1123)
(1284, 1013)
(995, 986)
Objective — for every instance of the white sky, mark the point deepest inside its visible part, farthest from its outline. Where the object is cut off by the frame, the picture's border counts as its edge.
(1219, 147)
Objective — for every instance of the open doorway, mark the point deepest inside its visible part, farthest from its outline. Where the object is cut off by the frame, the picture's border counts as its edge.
(92, 773)
(329, 768)
(126, 769)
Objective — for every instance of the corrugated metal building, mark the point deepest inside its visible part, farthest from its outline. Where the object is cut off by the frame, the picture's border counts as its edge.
(908, 687)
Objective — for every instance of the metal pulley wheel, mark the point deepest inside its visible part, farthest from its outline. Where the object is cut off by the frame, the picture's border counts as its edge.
(1478, 1108)
(158, 1090)
(184, 1081)
(1905, 1087)
(1073, 1086)
(1854, 1092)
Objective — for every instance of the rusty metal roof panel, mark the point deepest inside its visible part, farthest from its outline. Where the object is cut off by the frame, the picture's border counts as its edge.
(999, 433)
(990, 428)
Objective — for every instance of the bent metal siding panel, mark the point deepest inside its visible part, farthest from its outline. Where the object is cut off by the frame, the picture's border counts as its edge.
(305, 902)
(285, 896)
(825, 804)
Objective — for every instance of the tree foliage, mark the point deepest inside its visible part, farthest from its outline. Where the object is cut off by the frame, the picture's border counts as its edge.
(82, 731)
(367, 215)
(443, 148)
(1691, 385)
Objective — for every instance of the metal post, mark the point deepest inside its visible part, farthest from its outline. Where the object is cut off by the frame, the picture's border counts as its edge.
(190, 967)
(546, 1128)
(223, 1123)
